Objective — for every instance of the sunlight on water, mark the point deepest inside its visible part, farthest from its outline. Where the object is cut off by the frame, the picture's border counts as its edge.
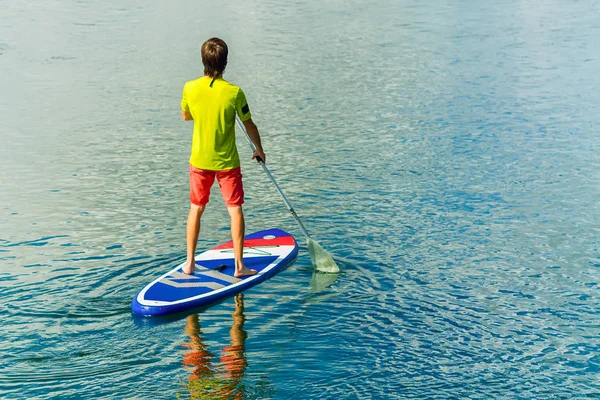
(445, 152)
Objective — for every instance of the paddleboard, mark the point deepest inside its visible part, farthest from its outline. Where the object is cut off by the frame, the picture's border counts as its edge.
(268, 252)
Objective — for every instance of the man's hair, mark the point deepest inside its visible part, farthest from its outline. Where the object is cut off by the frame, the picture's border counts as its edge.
(214, 56)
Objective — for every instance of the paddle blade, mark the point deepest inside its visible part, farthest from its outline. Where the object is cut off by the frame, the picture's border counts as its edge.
(321, 260)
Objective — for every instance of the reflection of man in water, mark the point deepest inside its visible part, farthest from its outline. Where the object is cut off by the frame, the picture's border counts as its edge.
(205, 382)
(198, 357)
(233, 357)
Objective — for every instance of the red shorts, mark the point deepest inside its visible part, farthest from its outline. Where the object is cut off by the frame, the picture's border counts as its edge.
(230, 182)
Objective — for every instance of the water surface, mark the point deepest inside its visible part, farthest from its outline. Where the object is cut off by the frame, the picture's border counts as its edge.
(445, 153)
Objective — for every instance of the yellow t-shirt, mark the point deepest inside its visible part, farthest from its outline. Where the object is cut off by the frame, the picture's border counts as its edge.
(213, 105)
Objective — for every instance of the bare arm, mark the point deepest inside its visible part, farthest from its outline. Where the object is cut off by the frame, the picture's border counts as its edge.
(186, 116)
(255, 137)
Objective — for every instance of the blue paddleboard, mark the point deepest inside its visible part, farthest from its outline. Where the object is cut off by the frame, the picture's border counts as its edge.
(268, 252)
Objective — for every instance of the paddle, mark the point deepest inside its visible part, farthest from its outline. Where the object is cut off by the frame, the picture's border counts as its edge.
(321, 260)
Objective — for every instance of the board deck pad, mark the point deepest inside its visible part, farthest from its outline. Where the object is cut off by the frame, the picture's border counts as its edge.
(268, 252)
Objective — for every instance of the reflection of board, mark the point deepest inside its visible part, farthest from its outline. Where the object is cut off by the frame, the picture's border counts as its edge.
(268, 252)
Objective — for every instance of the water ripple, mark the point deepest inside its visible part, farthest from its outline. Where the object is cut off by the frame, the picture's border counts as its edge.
(445, 155)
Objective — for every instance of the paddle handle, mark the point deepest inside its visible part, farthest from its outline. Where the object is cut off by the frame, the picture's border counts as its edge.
(266, 169)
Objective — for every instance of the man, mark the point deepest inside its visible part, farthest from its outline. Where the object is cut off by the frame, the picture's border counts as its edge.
(212, 103)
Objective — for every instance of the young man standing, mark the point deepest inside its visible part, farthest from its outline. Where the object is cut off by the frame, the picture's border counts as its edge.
(212, 103)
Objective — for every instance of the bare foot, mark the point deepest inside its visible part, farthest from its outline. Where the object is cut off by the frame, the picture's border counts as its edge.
(189, 267)
(244, 272)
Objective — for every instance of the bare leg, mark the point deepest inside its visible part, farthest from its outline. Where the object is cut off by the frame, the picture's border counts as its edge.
(192, 231)
(238, 230)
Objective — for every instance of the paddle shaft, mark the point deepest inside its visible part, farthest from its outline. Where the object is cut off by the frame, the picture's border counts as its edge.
(266, 169)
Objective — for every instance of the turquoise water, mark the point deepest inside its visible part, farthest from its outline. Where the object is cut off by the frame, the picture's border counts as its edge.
(445, 153)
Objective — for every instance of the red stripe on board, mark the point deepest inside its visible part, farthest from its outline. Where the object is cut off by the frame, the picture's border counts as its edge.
(278, 241)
